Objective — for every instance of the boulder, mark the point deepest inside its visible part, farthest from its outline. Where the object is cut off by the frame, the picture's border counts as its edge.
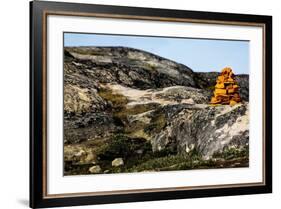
(95, 169)
(117, 162)
(207, 130)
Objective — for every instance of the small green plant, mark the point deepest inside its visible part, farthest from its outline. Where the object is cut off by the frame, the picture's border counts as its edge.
(164, 161)
(232, 153)
(211, 88)
(118, 146)
(117, 100)
(122, 113)
(122, 146)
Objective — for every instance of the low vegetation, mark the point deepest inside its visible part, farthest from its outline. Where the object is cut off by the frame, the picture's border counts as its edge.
(118, 101)
(232, 153)
(138, 157)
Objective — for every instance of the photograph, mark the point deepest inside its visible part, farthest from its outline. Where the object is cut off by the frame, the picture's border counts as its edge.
(135, 103)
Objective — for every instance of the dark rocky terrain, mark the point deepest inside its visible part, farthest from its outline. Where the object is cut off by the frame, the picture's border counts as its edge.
(127, 110)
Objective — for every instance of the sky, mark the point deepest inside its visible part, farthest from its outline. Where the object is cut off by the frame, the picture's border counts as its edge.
(201, 55)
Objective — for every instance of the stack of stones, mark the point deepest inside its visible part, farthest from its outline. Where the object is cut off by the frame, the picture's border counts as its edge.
(226, 90)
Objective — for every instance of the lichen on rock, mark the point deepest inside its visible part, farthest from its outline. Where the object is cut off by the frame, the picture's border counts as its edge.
(208, 129)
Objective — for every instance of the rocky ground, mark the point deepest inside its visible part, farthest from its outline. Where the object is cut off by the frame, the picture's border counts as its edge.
(127, 110)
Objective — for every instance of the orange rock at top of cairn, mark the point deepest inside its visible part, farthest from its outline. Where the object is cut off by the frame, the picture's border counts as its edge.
(226, 90)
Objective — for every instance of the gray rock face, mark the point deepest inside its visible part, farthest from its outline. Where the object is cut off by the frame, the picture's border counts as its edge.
(128, 67)
(208, 130)
(88, 126)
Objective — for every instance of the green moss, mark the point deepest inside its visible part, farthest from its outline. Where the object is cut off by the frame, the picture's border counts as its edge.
(122, 113)
(167, 159)
(117, 147)
(117, 100)
(137, 109)
(172, 162)
(121, 146)
(141, 129)
(157, 124)
(211, 88)
(139, 133)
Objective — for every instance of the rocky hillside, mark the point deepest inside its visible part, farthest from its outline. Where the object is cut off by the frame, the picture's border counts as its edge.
(127, 110)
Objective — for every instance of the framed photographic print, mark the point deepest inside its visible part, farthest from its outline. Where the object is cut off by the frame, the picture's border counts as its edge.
(140, 104)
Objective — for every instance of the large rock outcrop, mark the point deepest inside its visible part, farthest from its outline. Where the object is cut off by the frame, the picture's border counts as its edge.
(126, 103)
(128, 67)
(207, 129)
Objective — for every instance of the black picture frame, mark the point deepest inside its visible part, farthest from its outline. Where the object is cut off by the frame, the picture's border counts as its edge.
(39, 10)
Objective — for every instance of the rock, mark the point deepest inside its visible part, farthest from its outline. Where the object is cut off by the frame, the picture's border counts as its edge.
(207, 129)
(117, 162)
(90, 158)
(184, 94)
(126, 66)
(89, 115)
(106, 171)
(80, 153)
(95, 169)
(78, 100)
(74, 153)
(139, 151)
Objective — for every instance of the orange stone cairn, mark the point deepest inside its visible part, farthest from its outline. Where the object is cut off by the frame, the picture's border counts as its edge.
(226, 90)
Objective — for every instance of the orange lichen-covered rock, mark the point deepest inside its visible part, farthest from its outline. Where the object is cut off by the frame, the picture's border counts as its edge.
(226, 89)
